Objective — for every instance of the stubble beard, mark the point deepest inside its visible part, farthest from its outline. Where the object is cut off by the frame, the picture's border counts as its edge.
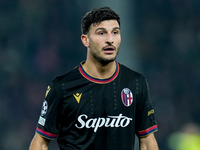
(96, 54)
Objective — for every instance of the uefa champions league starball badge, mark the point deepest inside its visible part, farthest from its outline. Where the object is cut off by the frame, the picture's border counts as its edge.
(44, 108)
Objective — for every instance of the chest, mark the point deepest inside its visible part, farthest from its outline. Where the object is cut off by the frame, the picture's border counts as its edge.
(99, 100)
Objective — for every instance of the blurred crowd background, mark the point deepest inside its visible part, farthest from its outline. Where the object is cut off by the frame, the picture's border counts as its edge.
(40, 40)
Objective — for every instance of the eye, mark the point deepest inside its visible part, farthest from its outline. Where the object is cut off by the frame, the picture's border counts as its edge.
(115, 32)
(101, 33)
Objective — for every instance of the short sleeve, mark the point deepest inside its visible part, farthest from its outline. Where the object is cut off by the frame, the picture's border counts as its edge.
(48, 126)
(145, 119)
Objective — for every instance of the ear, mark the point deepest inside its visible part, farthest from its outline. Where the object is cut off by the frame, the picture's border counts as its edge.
(85, 40)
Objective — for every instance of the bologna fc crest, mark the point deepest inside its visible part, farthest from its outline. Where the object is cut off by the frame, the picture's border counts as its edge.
(127, 97)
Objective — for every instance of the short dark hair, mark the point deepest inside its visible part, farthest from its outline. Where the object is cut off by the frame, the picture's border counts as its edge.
(96, 16)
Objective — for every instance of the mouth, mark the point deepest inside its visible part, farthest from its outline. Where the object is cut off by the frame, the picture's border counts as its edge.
(109, 49)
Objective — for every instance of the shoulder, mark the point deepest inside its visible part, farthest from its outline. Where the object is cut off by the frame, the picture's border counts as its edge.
(129, 73)
(56, 85)
(69, 76)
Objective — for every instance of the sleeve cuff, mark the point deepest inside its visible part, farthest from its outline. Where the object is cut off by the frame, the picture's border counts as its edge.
(46, 134)
(148, 131)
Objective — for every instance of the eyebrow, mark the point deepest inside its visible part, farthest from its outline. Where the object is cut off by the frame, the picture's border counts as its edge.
(116, 28)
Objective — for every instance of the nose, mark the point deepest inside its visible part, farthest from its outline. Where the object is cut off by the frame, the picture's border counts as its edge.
(110, 39)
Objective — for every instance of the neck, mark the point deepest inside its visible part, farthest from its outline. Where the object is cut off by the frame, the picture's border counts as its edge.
(99, 70)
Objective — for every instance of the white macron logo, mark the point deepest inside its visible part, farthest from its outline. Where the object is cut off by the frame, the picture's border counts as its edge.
(110, 121)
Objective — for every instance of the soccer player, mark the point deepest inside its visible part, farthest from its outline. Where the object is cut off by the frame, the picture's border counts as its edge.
(101, 104)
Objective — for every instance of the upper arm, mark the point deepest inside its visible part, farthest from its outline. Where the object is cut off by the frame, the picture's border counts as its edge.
(148, 143)
(145, 118)
(39, 143)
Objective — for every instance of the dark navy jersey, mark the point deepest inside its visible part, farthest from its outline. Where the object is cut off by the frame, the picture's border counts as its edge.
(84, 112)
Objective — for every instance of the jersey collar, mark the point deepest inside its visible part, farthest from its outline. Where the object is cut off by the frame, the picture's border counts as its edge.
(96, 80)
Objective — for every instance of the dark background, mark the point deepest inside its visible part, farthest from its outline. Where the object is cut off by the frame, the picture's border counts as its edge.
(40, 39)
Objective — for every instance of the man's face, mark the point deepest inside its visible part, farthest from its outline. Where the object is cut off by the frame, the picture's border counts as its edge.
(104, 41)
